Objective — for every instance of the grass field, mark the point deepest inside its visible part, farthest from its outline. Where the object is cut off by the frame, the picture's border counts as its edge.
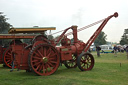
(108, 70)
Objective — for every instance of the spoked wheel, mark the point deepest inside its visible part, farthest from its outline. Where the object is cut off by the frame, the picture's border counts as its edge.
(71, 63)
(85, 61)
(44, 59)
(8, 58)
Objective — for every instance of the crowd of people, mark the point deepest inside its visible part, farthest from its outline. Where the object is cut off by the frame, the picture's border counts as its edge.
(120, 49)
(115, 50)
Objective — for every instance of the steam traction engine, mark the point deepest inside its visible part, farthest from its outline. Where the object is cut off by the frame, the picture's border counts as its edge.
(43, 57)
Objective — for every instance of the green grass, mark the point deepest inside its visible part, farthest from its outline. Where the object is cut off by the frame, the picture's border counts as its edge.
(108, 70)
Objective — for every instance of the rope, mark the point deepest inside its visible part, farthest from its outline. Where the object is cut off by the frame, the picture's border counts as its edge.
(90, 25)
(83, 28)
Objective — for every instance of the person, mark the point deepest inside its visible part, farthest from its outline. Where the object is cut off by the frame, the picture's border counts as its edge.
(127, 51)
(115, 50)
(118, 49)
(122, 50)
(98, 50)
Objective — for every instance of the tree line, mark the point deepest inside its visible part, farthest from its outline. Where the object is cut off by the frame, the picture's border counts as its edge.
(124, 38)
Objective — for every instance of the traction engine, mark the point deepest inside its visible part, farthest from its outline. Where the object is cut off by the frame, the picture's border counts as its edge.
(43, 57)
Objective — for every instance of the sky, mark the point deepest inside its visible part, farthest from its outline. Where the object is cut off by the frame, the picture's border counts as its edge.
(65, 13)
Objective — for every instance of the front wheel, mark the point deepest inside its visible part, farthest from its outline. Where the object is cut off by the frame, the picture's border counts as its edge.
(85, 61)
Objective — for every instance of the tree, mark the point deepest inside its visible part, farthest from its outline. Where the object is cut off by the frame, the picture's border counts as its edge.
(4, 26)
(124, 38)
(101, 39)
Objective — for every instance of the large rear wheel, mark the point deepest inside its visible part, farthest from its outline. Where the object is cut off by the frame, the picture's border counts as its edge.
(44, 59)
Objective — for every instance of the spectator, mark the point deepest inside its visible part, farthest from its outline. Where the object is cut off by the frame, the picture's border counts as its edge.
(118, 49)
(122, 49)
(98, 50)
(115, 50)
(127, 51)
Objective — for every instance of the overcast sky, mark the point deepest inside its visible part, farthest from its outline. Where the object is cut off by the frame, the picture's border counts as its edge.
(65, 13)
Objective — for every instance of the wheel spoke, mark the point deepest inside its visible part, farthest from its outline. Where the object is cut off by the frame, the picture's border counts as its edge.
(52, 58)
(49, 51)
(83, 65)
(37, 58)
(38, 67)
(82, 61)
(49, 66)
(36, 54)
(88, 58)
(40, 53)
(90, 62)
(53, 62)
(46, 68)
(87, 66)
(49, 54)
(43, 68)
(35, 61)
(8, 56)
(8, 61)
(35, 64)
(44, 52)
(9, 53)
(53, 55)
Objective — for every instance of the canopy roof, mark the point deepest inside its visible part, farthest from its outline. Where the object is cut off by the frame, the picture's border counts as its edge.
(30, 30)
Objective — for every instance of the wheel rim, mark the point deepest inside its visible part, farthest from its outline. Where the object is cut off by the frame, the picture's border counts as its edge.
(8, 57)
(71, 63)
(85, 62)
(44, 59)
